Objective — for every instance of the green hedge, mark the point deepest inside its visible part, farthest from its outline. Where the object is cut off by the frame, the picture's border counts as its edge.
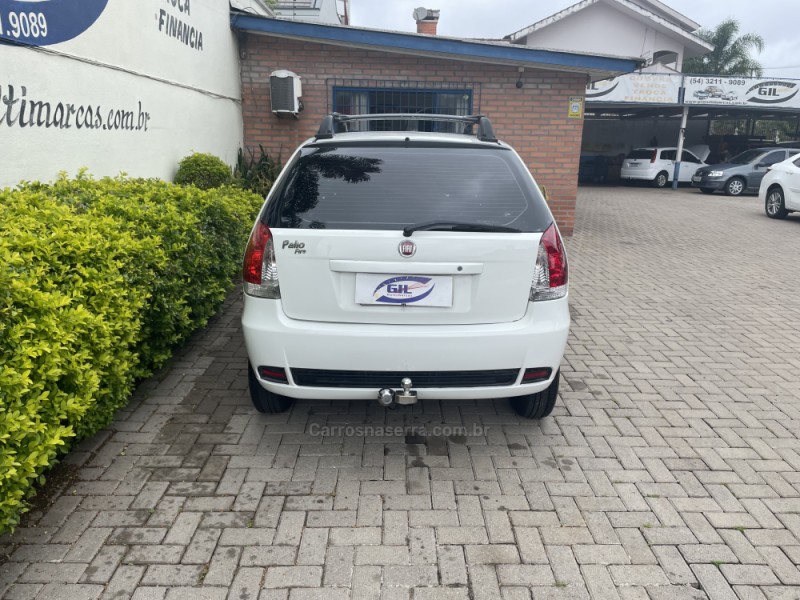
(205, 171)
(99, 281)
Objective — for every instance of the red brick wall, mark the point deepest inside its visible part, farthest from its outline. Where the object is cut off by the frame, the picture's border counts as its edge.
(428, 27)
(532, 119)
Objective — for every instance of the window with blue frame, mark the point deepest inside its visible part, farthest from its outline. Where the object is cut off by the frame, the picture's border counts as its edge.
(364, 100)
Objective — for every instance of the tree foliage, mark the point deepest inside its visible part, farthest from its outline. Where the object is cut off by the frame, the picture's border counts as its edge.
(732, 54)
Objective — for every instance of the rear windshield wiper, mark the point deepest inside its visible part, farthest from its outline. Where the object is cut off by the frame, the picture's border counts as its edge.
(457, 226)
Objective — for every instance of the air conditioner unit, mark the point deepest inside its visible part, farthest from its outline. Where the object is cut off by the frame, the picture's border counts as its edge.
(285, 91)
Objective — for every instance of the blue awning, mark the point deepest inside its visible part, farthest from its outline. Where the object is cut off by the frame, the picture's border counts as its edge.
(438, 47)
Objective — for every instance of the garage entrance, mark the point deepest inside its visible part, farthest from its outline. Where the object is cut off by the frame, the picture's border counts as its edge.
(722, 119)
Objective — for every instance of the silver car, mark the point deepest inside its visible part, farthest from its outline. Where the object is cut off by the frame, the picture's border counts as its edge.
(742, 173)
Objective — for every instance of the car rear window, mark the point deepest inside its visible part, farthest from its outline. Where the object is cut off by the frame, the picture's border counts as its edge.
(641, 154)
(387, 188)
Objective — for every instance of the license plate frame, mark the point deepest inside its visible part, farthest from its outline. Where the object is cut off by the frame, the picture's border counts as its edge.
(387, 289)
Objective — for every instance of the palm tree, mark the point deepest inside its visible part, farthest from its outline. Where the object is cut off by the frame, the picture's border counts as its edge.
(731, 54)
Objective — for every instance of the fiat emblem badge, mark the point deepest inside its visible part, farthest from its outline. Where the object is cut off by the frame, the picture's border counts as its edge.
(407, 248)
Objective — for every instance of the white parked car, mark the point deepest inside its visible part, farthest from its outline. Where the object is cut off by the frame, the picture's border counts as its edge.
(657, 165)
(403, 267)
(780, 188)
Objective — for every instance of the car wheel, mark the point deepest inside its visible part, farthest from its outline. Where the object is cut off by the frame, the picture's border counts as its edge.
(264, 400)
(707, 190)
(539, 405)
(661, 180)
(774, 205)
(735, 187)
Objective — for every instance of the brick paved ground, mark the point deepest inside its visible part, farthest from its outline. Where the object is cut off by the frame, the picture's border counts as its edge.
(670, 469)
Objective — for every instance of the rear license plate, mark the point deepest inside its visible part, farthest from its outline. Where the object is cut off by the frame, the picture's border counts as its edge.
(407, 290)
(696, 178)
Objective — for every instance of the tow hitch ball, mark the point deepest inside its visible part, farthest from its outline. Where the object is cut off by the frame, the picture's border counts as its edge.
(387, 397)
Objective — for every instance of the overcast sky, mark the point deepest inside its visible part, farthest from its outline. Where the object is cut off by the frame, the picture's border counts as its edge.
(774, 20)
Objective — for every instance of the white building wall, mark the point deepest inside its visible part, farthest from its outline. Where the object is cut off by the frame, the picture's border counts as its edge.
(319, 11)
(604, 29)
(254, 7)
(122, 96)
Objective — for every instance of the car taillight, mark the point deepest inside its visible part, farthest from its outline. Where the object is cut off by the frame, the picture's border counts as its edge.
(653, 156)
(550, 278)
(260, 272)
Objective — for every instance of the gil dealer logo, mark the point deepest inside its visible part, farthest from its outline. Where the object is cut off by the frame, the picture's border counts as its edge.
(772, 92)
(404, 289)
(46, 22)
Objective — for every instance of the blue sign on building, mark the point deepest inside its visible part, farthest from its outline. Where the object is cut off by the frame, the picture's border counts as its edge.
(48, 21)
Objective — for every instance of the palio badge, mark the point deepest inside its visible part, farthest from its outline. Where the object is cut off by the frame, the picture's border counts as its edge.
(298, 247)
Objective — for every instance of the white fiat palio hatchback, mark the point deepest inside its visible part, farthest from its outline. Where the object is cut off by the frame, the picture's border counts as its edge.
(405, 266)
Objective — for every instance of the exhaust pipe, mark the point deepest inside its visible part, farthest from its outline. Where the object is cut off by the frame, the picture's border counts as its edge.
(386, 397)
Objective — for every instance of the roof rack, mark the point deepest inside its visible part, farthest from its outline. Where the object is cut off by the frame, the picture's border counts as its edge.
(332, 123)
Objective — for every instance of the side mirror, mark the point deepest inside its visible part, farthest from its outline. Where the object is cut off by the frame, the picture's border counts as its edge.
(761, 165)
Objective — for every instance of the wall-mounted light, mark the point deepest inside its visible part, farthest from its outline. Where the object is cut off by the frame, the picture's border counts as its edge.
(242, 40)
(519, 83)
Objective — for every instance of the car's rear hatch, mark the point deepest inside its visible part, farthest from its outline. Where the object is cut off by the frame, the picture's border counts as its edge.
(471, 277)
(642, 158)
(337, 227)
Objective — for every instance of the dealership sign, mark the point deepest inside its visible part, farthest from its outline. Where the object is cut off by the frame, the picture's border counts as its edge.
(742, 91)
(647, 88)
(45, 22)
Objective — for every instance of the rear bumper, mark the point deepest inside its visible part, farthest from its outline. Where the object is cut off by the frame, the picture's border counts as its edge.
(639, 174)
(536, 340)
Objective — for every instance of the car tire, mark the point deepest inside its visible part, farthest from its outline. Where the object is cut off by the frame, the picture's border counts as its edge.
(707, 190)
(539, 405)
(661, 180)
(774, 206)
(264, 400)
(735, 187)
